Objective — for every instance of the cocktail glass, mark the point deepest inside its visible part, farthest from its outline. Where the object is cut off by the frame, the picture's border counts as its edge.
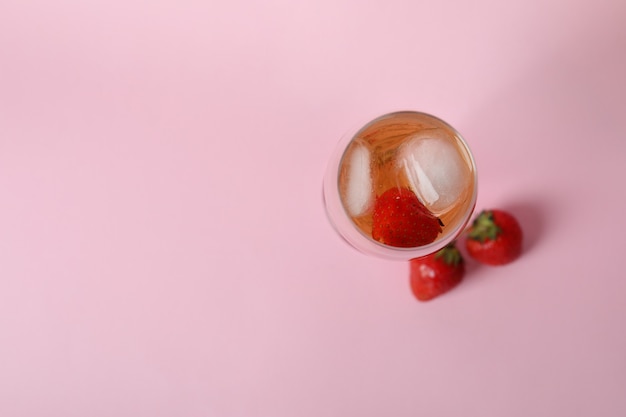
(405, 150)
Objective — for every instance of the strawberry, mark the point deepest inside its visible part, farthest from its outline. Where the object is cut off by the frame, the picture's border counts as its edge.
(400, 219)
(437, 273)
(494, 238)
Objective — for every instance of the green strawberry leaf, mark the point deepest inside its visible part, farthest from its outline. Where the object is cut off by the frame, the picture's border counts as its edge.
(450, 255)
(484, 228)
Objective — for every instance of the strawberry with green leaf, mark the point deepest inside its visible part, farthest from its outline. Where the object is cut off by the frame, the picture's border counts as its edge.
(494, 238)
(436, 274)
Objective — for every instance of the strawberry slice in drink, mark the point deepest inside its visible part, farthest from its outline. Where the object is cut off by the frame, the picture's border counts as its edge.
(399, 219)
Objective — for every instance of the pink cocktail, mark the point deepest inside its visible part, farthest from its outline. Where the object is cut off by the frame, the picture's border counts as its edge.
(410, 165)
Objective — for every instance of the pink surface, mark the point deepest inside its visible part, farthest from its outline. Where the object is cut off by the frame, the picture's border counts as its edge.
(163, 245)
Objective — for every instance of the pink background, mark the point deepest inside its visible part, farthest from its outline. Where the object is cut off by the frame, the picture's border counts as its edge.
(163, 246)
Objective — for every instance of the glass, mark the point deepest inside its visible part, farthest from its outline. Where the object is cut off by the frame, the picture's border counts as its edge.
(401, 164)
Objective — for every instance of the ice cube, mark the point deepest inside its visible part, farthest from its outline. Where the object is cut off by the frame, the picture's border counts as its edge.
(436, 171)
(359, 181)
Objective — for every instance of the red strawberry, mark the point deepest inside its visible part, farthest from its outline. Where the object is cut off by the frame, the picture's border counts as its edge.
(438, 273)
(494, 238)
(401, 220)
